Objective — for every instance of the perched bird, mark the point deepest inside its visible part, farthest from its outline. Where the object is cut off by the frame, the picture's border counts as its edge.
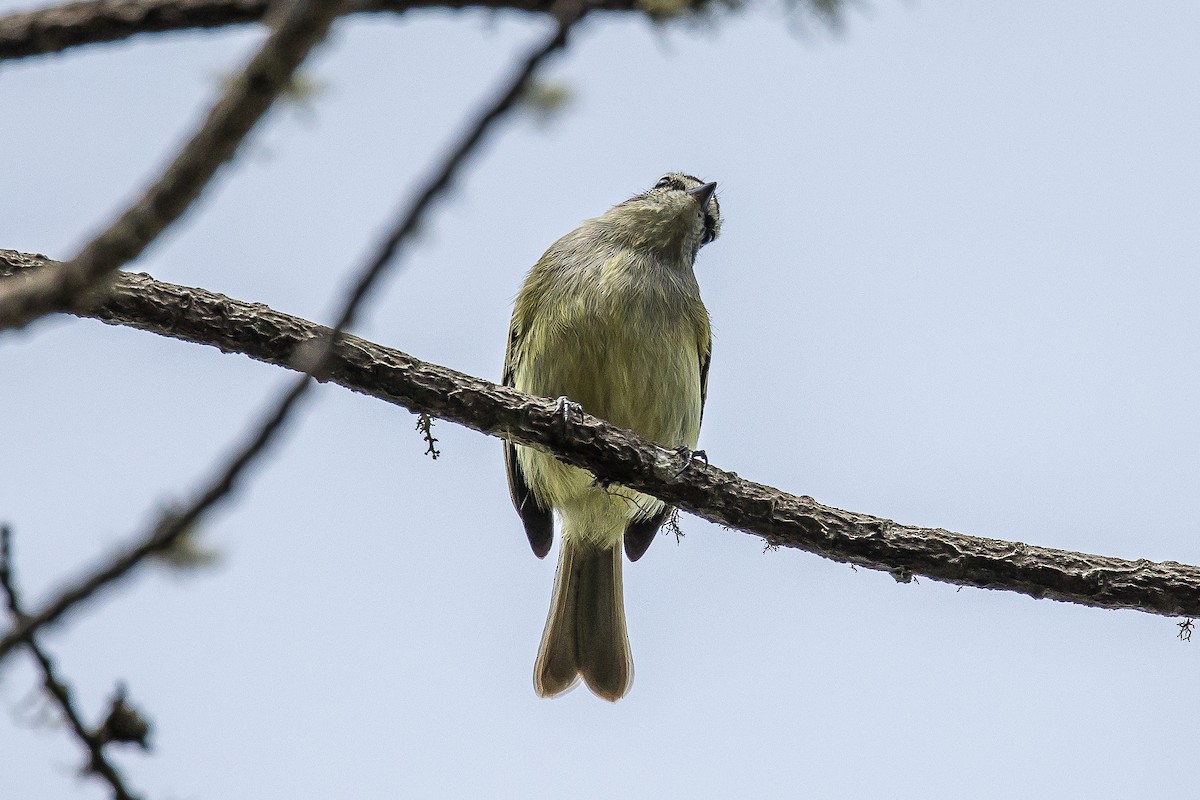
(610, 318)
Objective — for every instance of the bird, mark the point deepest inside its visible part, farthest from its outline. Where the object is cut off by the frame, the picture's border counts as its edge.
(608, 321)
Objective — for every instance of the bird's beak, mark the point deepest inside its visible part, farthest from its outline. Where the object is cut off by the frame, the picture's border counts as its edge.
(703, 193)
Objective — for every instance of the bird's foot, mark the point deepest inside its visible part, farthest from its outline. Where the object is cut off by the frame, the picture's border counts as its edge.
(687, 456)
(568, 409)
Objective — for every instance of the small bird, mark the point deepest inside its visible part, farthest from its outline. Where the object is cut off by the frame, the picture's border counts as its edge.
(610, 319)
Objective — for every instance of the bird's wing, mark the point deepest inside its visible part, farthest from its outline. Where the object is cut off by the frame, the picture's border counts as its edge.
(538, 521)
(640, 533)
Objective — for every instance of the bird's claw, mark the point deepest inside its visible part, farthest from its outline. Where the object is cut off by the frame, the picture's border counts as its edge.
(567, 408)
(688, 456)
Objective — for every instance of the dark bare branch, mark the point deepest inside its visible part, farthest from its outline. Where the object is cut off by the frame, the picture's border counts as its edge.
(567, 13)
(615, 455)
(98, 763)
(244, 102)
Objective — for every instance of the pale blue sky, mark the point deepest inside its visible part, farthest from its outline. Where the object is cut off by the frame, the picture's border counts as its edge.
(957, 286)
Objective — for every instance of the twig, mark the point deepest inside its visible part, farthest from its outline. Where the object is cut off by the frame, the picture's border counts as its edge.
(175, 525)
(98, 763)
(425, 428)
(618, 456)
(82, 279)
(567, 13)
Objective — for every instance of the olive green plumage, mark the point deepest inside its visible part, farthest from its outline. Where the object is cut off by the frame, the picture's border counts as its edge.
(609, 318)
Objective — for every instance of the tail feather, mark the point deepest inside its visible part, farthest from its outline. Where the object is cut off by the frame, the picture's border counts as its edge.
(555, 670)
(585, 631)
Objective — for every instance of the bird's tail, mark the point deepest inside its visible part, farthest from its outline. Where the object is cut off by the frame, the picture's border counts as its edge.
(585, 631)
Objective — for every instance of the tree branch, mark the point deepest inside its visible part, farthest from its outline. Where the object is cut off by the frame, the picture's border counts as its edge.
(57, 28)
(98, 763)
(619, 456)
(303, 24)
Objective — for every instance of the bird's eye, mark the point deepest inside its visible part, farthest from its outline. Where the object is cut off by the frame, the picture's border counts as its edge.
(663, 182)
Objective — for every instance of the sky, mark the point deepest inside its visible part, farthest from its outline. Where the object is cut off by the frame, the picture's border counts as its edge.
(956, 287)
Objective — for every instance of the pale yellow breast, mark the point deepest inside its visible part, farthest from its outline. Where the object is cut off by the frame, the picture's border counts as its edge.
(620, 341)
(629, 356)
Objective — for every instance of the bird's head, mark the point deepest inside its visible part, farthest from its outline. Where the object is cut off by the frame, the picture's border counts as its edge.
(676, 217)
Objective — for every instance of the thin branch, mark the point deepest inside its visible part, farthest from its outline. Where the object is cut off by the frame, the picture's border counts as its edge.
(98, 763)
(317, 353)
(618, 456)
(566, 13)
(57, 28)
(247, 98)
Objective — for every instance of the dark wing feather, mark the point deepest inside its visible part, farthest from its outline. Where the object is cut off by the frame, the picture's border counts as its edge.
(641, 532)
(538, 521)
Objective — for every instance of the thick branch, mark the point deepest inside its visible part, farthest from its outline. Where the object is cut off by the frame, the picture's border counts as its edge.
(302, 24)
(57, 28)
(615, 455)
